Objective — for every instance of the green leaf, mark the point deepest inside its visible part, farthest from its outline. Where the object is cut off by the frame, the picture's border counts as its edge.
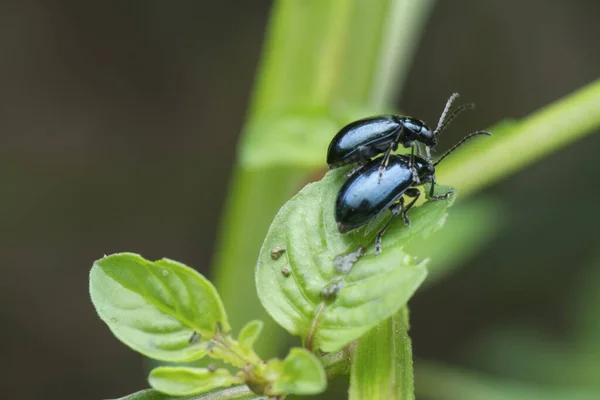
(182, 381)
(249, 334)
(154, 307)
(382, 367)
(300, 373)
(327, 306)
(234, 393)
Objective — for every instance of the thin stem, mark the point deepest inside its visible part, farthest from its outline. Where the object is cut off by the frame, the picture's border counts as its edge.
(339, 363)
(225, 342)
(313, 327)
(516, 145)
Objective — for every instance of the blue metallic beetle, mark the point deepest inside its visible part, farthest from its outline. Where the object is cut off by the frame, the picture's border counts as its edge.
(361, 140)
(366, 195)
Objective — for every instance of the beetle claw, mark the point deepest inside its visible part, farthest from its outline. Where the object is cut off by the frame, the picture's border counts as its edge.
(378, 246)
(441, 197)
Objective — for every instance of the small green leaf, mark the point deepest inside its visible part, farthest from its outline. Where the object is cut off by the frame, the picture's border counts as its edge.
(300, 373)
(182, 381)
(327, 305)
(249, 334)
(382, 367)
(155, 307)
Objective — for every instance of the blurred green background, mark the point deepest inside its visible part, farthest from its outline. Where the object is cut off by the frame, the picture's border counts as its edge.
(118, 131)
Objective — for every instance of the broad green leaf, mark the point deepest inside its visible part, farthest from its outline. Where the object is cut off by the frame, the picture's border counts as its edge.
(155, 306)
(249, 334)
(329, 306)
(382, 367)
(300, 373)
(182, 381)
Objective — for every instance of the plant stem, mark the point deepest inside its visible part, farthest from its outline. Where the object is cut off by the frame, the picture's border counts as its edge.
(339, 363)
(516, 145)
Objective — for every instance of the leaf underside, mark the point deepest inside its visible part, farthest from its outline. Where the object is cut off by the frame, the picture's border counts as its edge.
(182, 381)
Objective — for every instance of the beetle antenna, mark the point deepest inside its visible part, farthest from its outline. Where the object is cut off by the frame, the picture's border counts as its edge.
(453, 97)
(445, 122)
(469, 136)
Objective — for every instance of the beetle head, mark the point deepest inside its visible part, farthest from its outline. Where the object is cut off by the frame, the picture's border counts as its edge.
(425, 169)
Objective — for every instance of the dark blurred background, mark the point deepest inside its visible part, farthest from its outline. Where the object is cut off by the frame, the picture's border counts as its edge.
(118, 130)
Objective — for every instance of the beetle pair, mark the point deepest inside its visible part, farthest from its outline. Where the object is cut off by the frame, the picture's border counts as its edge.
(375, 185)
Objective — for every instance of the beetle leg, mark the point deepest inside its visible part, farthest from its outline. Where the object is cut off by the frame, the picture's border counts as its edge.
(411, 165)
(193, 337)
(441, 197)
(418, 149)
(385, 161)
(354, 170)
(410, 192)
(396, 209)
(386, 157)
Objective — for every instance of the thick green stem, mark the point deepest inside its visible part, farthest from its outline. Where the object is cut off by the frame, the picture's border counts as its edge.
(518, 144)
(382, 366)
